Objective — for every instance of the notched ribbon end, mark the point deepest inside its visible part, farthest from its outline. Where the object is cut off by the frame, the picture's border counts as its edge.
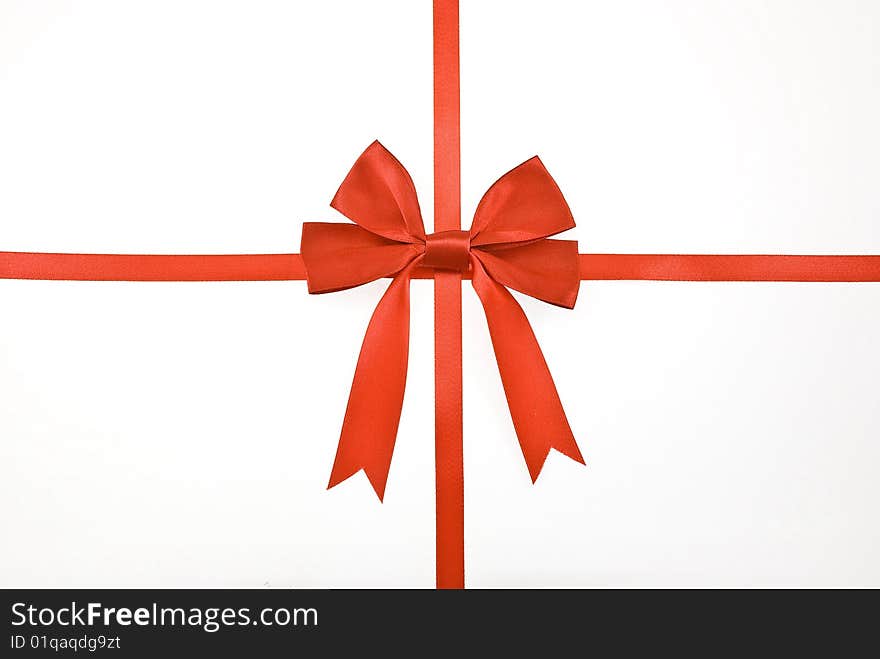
(377, 483)
(571, 451)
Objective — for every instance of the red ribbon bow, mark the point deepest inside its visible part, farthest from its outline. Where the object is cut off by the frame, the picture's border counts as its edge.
(507, 246)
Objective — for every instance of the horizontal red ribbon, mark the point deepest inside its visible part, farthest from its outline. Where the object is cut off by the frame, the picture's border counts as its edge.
(290, 267)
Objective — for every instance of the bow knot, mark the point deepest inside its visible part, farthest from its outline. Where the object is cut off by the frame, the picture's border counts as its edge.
(448, 250)
(508, 245)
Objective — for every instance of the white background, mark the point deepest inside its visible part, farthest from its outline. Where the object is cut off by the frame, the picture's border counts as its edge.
(182, 434)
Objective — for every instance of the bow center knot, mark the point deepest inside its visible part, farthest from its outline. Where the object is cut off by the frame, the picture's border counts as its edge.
(448, 250)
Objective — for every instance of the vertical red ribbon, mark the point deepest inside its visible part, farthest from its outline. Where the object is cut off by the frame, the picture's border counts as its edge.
(449, 463)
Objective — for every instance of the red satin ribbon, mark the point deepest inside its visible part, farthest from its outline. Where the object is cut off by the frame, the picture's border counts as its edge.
(507, 246)
(290, 267)
(448, 425)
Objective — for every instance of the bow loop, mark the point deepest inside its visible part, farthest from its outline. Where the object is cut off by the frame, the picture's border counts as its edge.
(339, 256)
(545, 269)
(525, 204)
(379, 195)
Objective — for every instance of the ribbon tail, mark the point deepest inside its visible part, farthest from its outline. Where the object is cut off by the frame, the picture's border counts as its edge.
(374, 404)
(535, 408)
